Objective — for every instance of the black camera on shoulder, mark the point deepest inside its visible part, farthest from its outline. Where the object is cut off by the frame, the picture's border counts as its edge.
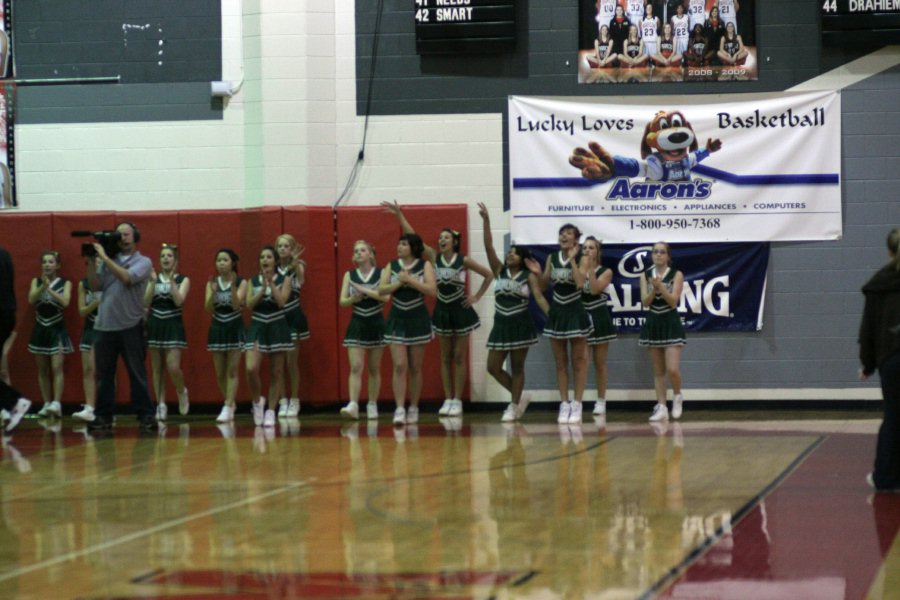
(109, 239)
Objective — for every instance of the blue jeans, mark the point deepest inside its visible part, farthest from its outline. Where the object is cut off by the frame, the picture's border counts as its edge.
(131, 345)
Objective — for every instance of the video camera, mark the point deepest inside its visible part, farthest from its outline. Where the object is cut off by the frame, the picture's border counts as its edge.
(109, 239)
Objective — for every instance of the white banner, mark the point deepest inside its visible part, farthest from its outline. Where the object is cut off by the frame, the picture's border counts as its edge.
(680, 169)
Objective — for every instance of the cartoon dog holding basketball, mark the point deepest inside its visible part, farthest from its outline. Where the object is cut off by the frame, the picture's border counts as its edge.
(669, 151)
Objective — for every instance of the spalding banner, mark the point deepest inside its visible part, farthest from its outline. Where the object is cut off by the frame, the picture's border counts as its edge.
(724, 284)
(680, 169)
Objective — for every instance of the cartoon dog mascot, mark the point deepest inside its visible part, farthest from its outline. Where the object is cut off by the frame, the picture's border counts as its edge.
(668, 149)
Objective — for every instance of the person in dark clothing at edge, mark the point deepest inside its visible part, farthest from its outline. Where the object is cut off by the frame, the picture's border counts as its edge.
(879, 348)
(11, 400)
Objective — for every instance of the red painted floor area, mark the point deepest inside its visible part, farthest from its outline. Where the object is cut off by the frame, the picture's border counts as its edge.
(821, 534)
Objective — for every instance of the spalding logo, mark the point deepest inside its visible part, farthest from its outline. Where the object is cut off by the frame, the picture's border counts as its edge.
(635, 262)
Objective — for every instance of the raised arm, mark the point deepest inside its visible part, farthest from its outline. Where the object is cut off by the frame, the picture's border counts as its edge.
(405, 227)
(393, 207)
(493, 260)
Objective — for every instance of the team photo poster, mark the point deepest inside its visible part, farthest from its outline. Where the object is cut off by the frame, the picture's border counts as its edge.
(658, 41)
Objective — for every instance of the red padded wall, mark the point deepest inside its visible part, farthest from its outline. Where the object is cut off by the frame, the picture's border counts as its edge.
(259, 227)
(313, 228)
(199, 234)
(380, 228)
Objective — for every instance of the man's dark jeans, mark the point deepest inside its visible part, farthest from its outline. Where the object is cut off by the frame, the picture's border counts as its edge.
(131, 345)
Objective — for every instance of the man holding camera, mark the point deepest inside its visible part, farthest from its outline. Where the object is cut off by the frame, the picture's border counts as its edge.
(120, 327)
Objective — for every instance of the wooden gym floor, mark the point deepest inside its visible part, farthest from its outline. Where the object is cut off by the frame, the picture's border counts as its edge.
(760, 504)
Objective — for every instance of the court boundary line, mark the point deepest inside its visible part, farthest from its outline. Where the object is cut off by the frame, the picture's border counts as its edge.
(149, 531)
(723, 396)
(691, 557)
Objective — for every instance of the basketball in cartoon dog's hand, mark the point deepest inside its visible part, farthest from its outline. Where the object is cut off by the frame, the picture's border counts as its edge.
(594, 162)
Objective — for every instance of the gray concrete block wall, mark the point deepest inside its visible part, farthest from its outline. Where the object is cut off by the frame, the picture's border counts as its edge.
(544, 60)
(813, 302)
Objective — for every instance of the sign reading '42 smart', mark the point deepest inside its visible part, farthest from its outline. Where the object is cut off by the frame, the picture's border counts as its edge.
(465, 26)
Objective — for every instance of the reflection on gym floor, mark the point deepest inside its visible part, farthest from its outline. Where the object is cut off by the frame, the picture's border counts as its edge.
(449, 508)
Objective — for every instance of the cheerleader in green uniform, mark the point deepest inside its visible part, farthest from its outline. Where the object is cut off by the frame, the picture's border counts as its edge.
(513, 332)
(568, 322)
(269, 334)
(88, 303)
(166, 293)
(225, 294)
(595, 299)
(365, 333)
(408, 279)
(662, 331)
(291, 266)
(454, 317)
(50, 295)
